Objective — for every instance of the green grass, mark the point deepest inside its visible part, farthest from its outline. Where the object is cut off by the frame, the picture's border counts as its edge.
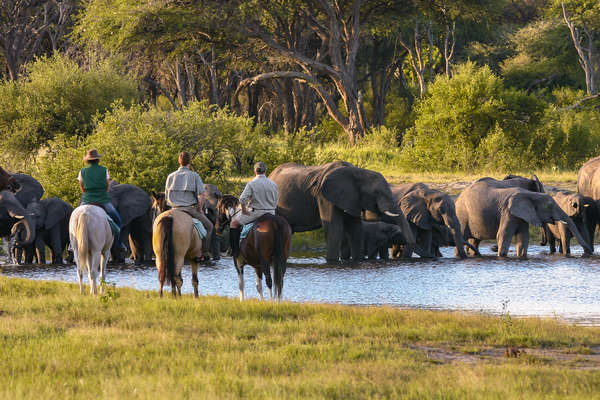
(56, 343)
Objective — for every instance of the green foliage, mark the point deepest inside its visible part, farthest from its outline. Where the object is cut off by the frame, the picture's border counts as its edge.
(460, 113)
(140, 146)
(57, 97)
(544, 57)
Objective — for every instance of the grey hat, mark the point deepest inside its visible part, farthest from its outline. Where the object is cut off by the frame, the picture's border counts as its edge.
(260, 167)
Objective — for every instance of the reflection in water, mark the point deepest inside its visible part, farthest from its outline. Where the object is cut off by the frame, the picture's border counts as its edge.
(546, 285)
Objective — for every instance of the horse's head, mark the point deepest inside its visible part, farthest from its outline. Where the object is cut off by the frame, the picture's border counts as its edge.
(227, 207)
(159, 204)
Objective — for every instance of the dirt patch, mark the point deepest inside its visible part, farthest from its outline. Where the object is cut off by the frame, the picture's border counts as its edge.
(589, 361)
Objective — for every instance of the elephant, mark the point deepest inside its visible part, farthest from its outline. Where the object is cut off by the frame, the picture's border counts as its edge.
(573, 204)
(378, 237)
(28, 190)
(51, 226)
(213, 194)
(334, 196)
(135, 207)
(490, 209)
(432, 216)
(588, 185)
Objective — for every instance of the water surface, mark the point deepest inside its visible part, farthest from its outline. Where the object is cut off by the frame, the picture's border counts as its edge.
(544, 285)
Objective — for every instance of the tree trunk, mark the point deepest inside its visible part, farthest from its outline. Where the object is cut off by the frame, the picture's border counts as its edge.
(181, 82)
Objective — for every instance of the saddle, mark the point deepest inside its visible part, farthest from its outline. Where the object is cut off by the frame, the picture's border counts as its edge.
(246, 230)
(200, 229)
(113, 225)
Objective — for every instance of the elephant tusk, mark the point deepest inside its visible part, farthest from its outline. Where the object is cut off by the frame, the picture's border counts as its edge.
(391, 214)
(563, 222)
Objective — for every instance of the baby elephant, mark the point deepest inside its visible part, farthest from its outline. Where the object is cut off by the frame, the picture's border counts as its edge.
(378, 237)
(574, 206)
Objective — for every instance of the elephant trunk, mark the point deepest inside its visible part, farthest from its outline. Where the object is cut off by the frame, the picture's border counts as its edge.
(573, 228)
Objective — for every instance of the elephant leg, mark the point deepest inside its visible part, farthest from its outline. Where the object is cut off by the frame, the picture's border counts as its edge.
(345, 251)
(506, 231)
(40, 250)
(30, 254)
(55, 245)
(354, 233)
(384, 253)
(565, 239)
(425, 241)
(334, 234)
(522, 237)
(552, 242)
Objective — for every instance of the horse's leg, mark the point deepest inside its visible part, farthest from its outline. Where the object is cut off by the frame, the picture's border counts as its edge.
(77, 264)
(259, 282)
(103, 262)
(179, 283)
(93, 263)
(240, 272)
(269, 281)
(195, 277)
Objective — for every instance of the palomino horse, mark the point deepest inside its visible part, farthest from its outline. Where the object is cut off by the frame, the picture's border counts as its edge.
(91, 240)
(174, 240)
(267, 244)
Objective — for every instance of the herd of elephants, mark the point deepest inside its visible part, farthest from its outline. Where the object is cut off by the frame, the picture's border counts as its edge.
(361, 214)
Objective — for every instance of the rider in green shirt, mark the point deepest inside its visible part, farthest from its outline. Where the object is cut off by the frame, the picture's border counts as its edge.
(94, 183)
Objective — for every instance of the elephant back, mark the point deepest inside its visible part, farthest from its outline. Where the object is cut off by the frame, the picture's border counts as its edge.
(130, 201)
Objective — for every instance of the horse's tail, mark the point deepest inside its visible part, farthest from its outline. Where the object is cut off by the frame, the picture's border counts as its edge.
(279, 259)
(83, 245)
(167, 253)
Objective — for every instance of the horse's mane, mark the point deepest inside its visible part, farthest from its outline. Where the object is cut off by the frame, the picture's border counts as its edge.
(227, 201)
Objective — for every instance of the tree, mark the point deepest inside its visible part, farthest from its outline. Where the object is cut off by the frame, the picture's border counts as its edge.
(25, 24)
(583, 20)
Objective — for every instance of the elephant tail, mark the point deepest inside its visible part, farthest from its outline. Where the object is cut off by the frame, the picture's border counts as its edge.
(166, 261)
(281, 232)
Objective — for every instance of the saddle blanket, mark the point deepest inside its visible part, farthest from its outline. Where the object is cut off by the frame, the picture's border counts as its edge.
(113, 225)
(199, 228)
(246, 230)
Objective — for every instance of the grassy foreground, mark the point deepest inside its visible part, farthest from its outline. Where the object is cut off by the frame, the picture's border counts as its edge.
(56, 343)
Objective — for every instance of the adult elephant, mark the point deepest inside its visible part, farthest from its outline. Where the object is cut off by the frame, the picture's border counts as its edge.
(23, 190)
(489, 209)
(432, 216)
(334, 196)
(588, 184)
(135, 207)
(50, 218)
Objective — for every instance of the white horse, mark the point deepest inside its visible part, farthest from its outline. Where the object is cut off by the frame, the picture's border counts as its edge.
(91, 239)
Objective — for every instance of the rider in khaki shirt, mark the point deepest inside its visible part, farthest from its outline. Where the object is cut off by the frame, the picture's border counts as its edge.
(258, 198)
(184, 190)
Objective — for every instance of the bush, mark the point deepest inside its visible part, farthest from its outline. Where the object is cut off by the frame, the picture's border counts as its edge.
(56, 97)
(460, 113)
(141, 146)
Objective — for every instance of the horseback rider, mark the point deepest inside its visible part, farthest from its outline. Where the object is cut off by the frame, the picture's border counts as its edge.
(94, 182)
(184, 190)
(258, 198)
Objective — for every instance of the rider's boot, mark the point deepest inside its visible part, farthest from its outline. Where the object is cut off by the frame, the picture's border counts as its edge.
(234, 241)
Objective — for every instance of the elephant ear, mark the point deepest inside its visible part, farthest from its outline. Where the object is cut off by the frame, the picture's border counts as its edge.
(56, 210)
(538, 185)
(340, 188)
(521, 206)
(416, 211)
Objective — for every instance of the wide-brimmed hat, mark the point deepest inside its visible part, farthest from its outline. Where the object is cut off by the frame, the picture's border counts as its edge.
(92, 155)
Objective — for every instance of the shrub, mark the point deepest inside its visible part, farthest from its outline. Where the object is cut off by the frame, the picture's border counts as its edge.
(56, 97)
(459, 113)
(140, 147)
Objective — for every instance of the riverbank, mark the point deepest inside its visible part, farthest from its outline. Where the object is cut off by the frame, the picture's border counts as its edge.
(131, 344)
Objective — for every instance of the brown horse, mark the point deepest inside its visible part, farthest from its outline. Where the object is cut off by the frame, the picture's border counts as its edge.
(174, 240)
(267, 244)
